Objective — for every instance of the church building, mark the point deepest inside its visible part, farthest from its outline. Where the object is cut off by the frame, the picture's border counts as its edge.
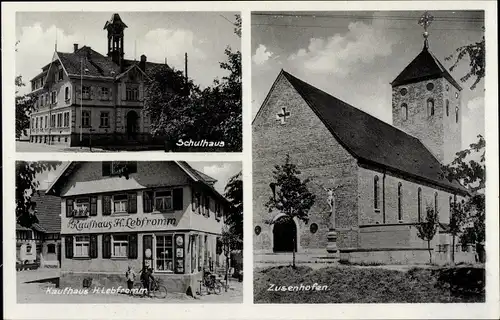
(373, 181)
(85, 97)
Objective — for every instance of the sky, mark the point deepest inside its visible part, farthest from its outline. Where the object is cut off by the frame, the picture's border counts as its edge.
(158, 35)
(219, 170)
(355, 55)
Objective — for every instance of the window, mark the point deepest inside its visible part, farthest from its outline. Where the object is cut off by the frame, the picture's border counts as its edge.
(86, 92)
(456, 114)
(66, 93)
(52, 120)
(105, 119)
(59, 120)
(46, 99)
(120, 203)
(41, 122)
(403, 91)
(82, 206)
(376, 190)
(86, 119)
(419, 204)
(447, 107)
(196, 202)
(104, 93)
(36, 123)
(430, 107)
(163, 201)
(119, 243)
(53, 97)
(82, 246)
(40, 100)
(430, 86)
(164, 253)
(132, 94)
(51, 248)
(404, 111)
(60, 75)
(46, 124)
(400, 201)
(436, 202)
(66, 119)
(218, 212)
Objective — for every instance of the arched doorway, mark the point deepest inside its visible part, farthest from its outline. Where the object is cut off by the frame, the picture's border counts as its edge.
(284, 236)
(132, 124)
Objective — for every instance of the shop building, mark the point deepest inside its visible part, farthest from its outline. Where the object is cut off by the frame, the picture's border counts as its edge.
(165, 215)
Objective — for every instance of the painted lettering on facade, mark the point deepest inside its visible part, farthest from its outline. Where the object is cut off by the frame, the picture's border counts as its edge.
(119, 222)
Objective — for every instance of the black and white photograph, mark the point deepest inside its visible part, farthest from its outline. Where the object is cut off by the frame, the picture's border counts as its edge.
(128, 81)
(129, 232)
(368, 156)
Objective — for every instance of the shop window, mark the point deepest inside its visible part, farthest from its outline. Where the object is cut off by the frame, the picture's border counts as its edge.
(163, 201)
(82, 246)
(51, 248)
(120, 203)
(164, 253)
(119, 243)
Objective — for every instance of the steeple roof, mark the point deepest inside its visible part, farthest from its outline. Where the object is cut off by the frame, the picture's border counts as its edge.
(425, 66)
(115, 20)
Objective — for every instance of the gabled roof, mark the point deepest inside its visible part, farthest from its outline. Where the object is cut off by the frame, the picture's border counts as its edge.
(96, 64)
(371, 140)
(48, 210)
(424, 66)
(115, 19)
(191, 172)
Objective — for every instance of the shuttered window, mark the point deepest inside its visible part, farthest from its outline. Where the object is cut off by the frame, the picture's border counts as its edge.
(69, 208)
(68, 246)
(106, 246)
(93, 206)
(106, 205)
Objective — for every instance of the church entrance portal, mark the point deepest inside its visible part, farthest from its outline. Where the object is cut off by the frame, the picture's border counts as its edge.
(132, 118)
(285, 236)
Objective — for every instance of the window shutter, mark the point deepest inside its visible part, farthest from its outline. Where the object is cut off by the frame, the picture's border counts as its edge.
(132, 246)
(93, 246)
(106, 168)
(68, 246)
(177, 198)
(106, 246)
(147, 200)
(106, 205)
(93, 206)
(132, 203)
(69, 208)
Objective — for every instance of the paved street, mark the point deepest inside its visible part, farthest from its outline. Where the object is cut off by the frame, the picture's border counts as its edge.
(37, 292)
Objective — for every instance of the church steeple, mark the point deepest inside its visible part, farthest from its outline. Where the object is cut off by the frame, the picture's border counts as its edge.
(115, 27)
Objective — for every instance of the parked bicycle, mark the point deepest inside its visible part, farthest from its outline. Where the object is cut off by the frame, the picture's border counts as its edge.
(212, 284)
(157, 289)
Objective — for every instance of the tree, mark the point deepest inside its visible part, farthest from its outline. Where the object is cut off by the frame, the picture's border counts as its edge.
(179, 109)
(26, 186)
(291, 196)
(472, 174)
(25, 105)
(229, 241)
(476, 55)
(234, 193)
(427, 229)
(457, 219)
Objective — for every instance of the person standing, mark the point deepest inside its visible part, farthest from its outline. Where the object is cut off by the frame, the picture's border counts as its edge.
(130, 275)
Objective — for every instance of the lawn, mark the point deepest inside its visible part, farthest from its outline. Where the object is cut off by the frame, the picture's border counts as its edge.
(350, 284)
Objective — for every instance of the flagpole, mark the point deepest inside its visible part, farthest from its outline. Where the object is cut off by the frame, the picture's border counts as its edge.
(81, 101)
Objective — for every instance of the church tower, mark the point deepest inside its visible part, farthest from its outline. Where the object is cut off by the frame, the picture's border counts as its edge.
(115, 27)
(426, 102)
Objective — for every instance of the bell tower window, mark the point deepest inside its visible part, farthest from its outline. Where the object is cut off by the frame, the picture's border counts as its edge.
(430, 107)
(404, 111)
(456, 114)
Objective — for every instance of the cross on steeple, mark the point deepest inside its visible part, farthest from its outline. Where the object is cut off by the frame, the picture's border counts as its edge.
(425, 21)
(283, 115)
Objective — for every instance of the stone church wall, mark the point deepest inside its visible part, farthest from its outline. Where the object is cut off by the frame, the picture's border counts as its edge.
(318, 156)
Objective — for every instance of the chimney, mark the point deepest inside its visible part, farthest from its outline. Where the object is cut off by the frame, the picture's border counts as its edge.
(75, 47)
(142, 63)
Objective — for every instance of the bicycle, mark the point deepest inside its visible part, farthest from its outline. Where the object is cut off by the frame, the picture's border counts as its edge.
(158, 290)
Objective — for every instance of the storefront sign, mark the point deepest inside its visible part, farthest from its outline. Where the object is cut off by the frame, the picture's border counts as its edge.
(127, 223)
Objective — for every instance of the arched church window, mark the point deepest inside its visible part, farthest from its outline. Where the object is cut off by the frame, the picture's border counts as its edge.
(419, 204)
(436, 202)
(376, 190)
(430, 107)
(400, 201)
(404, 111)
(430, 86)
(456, 114)
(447, 107)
